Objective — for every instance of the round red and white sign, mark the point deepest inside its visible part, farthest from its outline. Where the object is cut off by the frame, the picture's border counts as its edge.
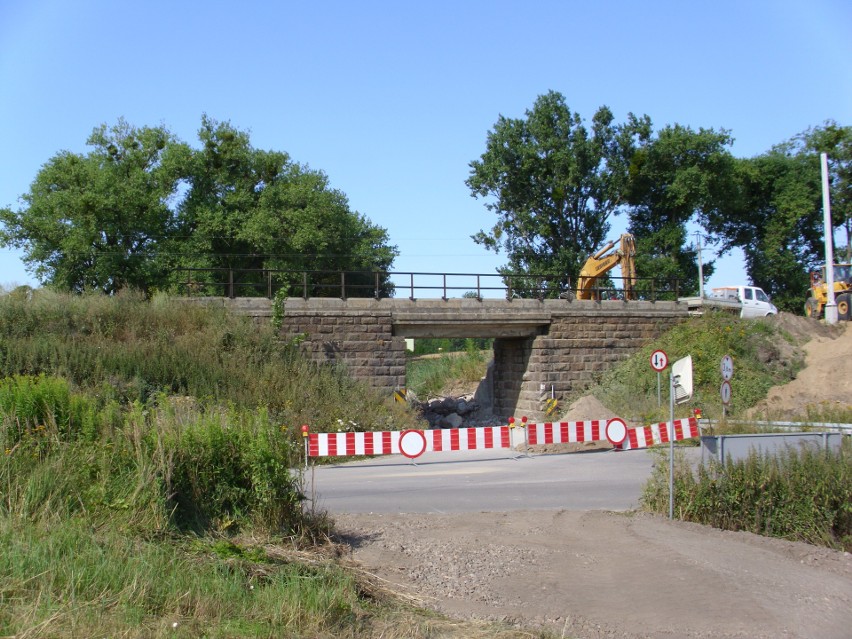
(616, 431)
(412, 443)
(659, 361)
(725, 392)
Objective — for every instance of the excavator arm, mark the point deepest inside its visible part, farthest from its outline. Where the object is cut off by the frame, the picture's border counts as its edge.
(604, 261)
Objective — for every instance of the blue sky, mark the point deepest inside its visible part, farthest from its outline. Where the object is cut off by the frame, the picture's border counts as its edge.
(393, 100)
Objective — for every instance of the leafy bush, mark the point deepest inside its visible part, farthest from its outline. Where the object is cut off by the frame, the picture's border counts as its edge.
(205, 467)
(803, 495)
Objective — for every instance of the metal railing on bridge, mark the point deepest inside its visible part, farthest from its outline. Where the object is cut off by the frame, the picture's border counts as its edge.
(225, 282)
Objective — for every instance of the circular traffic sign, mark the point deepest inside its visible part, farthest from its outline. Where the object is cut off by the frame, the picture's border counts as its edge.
(616, 431)
(725, 392)
(659, 360)
(412, 443)
(727, 368)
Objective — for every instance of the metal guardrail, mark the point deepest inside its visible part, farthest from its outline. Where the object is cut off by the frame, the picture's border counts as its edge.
(787, 426)
(225, 282)
(724, 448)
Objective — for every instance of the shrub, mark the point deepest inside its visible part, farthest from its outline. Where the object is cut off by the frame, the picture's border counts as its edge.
(164, 464)
(803, 495)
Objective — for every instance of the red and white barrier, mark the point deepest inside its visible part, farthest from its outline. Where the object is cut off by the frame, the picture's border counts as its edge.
(659, 433)
(411, 443)
(613, 430)
(566, 432)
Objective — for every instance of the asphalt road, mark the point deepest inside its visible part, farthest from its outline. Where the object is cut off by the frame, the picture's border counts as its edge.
(475, 481)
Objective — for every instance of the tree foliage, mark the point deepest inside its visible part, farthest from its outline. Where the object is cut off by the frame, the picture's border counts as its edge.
(142, 204)
(836, 142)
(95, 221)
(553, 184)
(775, 213)
(677, 177)
(776, 220)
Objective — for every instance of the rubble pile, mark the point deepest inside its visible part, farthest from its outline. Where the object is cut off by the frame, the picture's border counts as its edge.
(453, 412)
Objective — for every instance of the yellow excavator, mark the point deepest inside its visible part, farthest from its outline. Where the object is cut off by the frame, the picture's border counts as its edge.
(815, 305)
(622, 254)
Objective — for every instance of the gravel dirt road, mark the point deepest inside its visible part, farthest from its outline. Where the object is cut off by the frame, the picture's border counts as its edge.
(597, 574)
(601, 574)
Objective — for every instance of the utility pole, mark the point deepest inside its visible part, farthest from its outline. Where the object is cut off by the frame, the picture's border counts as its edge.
(700, 265)
(831, 304)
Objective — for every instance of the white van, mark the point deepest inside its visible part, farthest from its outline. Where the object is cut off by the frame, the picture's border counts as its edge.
(754, 301)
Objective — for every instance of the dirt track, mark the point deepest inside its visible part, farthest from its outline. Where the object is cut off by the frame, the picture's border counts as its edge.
(597, 574)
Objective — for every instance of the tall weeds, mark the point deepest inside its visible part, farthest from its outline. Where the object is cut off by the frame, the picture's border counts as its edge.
(802, 495)
(149, 482)
(127, 349)
(428, 376)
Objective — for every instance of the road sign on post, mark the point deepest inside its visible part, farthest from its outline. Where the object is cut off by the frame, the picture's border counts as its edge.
(727, 368)
(659, 361)
(725, 392)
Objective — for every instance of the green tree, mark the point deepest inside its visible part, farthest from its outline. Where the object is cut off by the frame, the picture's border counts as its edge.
(253, 209)
(553, 184)
(94, 221)
(679, 176)
(776, 219)
(142, 204)
(775, 212)
(836, 142)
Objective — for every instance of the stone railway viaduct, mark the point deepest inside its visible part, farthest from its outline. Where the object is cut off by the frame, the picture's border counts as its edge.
(540, 346)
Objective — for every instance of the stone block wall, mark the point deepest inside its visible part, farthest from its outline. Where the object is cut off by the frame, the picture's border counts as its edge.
(361, 340)
(577, 347)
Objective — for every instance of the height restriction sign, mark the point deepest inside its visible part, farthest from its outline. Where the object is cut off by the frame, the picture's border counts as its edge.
(727, 368)
(659, 361)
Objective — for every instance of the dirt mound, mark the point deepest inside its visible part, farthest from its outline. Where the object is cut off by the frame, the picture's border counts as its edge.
(585, 408)
(802, 329)
(824, 384)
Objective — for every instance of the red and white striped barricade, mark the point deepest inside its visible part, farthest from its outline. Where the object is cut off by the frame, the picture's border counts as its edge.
(654, 434)
(411, 443)
(614, 430)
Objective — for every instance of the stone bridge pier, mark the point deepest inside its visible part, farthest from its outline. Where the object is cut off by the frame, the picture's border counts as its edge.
(541, 348)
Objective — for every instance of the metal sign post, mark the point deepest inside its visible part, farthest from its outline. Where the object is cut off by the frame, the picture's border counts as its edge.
(670, 427)
(680, 391)
(659, 361)
(726, 367)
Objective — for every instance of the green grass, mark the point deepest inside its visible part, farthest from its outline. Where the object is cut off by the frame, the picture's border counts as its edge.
(429, 376)
(630, 389)
(72, 579)
(150, 482)
(801, 495)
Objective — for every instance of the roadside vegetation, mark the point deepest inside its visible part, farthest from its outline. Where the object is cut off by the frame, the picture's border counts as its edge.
(150, 483)
(801, 495)
(765, 354)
